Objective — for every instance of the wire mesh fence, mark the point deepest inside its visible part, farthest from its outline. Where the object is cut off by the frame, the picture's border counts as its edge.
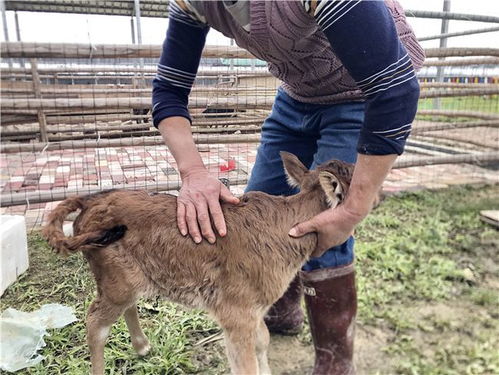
(76, 119)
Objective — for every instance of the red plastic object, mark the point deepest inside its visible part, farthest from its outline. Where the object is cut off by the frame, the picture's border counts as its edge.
(230, 166)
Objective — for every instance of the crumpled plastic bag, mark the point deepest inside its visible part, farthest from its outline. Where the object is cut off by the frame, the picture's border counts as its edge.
(21, 334)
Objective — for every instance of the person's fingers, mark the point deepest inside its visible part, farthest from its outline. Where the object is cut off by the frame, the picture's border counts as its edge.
(302, 229)
(192, 222)
(218, 216)
(226, 195)
(204, 221)
(181, 223)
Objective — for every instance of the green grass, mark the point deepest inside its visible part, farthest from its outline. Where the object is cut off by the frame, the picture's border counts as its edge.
(465, 103)
(428, 279)
(171, 329)
(429, 274)
(483, 104)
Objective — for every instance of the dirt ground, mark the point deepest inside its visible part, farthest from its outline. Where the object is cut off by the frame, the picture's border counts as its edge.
(289, 356)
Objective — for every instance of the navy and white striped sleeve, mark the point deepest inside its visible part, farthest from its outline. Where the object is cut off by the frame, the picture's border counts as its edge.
(363, 35)
(178, 63)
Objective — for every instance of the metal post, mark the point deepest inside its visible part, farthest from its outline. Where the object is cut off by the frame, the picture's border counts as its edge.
(460, 33)
(5, 27)
(139, 34)
(137, 17)
(18, 34)
(18, 30)
(132, 29)
(231, 66)
(451, 16)
(443, 43)
(4, 21)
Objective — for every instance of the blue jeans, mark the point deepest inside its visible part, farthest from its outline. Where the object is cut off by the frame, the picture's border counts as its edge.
(314, 133)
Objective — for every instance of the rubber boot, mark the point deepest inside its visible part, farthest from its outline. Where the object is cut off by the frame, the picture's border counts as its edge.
(286, 317)
(331, 301)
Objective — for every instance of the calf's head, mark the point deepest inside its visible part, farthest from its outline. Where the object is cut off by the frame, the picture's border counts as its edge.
(330, 180)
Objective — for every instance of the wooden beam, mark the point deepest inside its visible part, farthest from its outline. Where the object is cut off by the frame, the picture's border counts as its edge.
(136, 130)
(425, 126)
(457, 113)
(203, 71)
(128, 142)
(411, 161)
(248, 102)
(104, 92)
(461, 52)
(458, 92)
(36, 89)
(463, 61)
(104, 51)
(217, 91)
(128, 133)
(113, 51)
(73, 118)
(85, 71)
(457, 85)
(232, 102)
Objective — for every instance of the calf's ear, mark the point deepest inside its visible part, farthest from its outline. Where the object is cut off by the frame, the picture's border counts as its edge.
(295, 170)
(332, 187)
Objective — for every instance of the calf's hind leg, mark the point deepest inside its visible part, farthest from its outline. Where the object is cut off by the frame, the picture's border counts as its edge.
(101, 316)
(139, 340)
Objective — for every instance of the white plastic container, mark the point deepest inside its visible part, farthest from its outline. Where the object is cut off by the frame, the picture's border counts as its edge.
(13, 249)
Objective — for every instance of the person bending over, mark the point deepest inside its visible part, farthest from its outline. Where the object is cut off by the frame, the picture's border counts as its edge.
(349, 92)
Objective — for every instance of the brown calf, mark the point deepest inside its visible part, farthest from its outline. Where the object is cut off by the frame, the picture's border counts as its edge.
(134, 249)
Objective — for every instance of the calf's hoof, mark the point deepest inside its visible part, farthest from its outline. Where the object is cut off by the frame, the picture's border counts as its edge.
(142, 347)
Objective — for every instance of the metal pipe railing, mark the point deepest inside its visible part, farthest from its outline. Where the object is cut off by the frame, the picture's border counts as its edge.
(460, 33)
(451, 16)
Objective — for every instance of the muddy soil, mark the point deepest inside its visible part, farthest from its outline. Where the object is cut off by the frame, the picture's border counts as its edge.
(290, 356)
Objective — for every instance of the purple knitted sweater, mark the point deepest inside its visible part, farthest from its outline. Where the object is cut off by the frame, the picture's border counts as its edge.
(323, 51)
(297, 51)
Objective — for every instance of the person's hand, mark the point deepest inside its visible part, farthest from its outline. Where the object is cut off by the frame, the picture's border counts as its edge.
(333, 227)
(199, 202)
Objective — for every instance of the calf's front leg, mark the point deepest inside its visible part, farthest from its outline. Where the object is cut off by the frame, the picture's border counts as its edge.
(240, 339)
(262, 345)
